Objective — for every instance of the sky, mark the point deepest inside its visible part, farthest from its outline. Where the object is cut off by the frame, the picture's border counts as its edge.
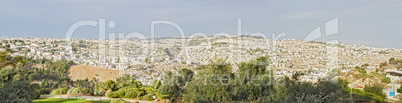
(376, 23)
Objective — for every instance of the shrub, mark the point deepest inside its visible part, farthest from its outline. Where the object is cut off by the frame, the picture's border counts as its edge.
(85, 90)
(45, 91)
(162, 96)
(119, 94)
(99, 92)
(108, 92)
(399, 90)
(376, 89)
(386, 80)
(148, 90)
(147, 97)
(17, 92)
(140, 93)
(130, 95)
(116, 94)
(75, 91)
(111, 95)
(59, 91)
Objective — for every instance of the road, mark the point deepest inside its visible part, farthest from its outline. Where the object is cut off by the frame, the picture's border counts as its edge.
(90, 98)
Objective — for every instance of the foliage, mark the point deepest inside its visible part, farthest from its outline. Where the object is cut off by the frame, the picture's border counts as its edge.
(214, 91)
(59, 91)
(386, 80)
(99, 92)
(18, 92)
(156, 84)
(14, 85)
(126, 80)
(108, 92)
(361, 96)
(342, 82)
(107, 85)
(399, 90)
(147, 97)
(320, 92)
(12, 74)
(361, 70)
(253, 81)
(186, 74)
(375, 89)
(365, 65)
(75, 91)
(244, 87)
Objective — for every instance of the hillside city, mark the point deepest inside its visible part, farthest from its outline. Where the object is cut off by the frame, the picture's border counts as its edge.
(134, 55)
(150, 59)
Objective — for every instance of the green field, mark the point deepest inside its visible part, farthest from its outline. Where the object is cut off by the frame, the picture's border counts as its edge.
(58, 100)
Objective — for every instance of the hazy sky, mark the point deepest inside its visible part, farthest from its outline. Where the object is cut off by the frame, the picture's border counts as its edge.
(375, 23)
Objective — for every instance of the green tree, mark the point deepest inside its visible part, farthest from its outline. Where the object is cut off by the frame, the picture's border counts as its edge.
(214, 91)
(3, 56)
(186, 74)
(343, 82)
(320, 92)
(399, 90)
(18, 92)
(12, 74)
(253, 81)
(376, 89)
(108, 85)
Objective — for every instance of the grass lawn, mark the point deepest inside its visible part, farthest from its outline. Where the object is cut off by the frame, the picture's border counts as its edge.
(58, 100)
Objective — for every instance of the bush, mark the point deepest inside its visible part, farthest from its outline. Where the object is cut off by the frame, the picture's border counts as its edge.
(59, 91)
(133, 91)
(111, 95)
(130, 95)
(147, 97)
(75, 91)
(373, 96)
(162, 96)
(118, 101)
(18, 92)
(361, 96)
(85, 90)
(108, 92)
(386, 80)
(375, 89)
(45, 91)
(399, 90)
(99, 92)
(116, 94)
(140, 93)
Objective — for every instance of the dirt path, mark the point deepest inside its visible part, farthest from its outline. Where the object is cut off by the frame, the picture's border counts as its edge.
(90, 98)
